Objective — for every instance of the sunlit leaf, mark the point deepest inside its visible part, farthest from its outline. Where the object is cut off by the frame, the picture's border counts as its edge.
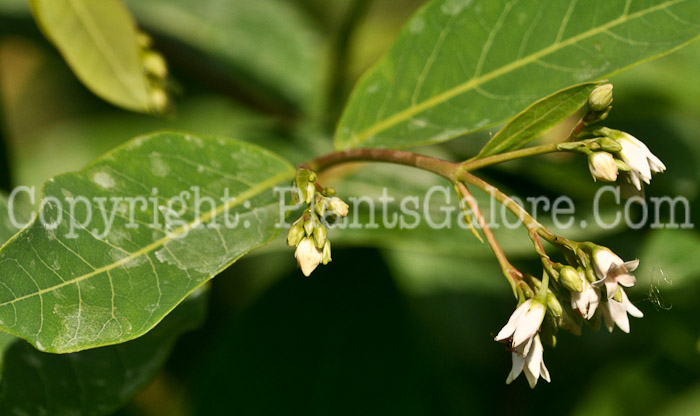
(464, 65)
(538, 118)
(110, 268)
(98, 40)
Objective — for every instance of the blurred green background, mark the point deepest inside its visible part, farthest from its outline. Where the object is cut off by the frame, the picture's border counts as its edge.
(402, 321)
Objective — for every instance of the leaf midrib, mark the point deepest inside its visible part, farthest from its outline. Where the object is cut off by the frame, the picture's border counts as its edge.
(239, 199)
(477, 81)
(102, 45)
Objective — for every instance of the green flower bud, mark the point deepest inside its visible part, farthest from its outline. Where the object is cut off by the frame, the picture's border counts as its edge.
(570, 279)
(320, 205)
(309, 225)
(327, 253)
(553, 305)
(310, 192)
(601, 98)
(320, 234)
(296, 233)
(143, 40)
(609, 145)
(154, 64)
(302, 179)
(527, 291)
(159, 99)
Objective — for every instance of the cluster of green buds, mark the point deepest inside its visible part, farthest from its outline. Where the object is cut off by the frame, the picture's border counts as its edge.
(156, 70)
(309, 233)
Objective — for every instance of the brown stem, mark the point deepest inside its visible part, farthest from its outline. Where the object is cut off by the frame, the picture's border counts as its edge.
(401, 157)
(512, 274)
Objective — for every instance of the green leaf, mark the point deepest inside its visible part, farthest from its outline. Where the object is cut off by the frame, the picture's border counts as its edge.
(12, 216)
(98, 41)
(7, 230)
(464, 65)
(538, 118)
(94, 382)
(266, 41)
(68, 284)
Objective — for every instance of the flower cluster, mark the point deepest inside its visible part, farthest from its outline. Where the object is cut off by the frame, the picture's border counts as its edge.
(309, 232)
(590, 288)
(626, 157)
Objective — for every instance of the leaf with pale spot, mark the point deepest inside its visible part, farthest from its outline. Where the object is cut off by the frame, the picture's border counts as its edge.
(68, 284)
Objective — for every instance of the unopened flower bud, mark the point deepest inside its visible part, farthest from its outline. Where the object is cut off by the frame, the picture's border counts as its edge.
(320, 205)
(527, 291)
(609, 145)
(601, 98)
(310, 192)
(602, 166)
(296, 233)
(154, 64)
(143, 40)
(327, 253)
(338, 206)
(302, 179)
(159, 99)
(320, 234)
(553, 305)
(570, 279)
(309, 226)
(308, 256)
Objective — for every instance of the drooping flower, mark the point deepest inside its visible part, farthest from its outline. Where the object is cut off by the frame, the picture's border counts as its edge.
(639, 159)
(602, 166)
(615, 312)
(612, 270)
(529, 357)
(308, 256)
(585, 302)
(523, 324)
